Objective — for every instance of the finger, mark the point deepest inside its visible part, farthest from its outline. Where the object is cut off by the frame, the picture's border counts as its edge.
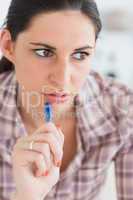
(49, 138)
(45, 150)
(61, 134)
(50, 127)
(47, 128)
(23, 144)
(57, 130)
(24, 158)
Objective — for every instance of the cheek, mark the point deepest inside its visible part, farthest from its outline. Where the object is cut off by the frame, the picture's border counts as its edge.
(80, 78)
(29, 74)
(30, 77)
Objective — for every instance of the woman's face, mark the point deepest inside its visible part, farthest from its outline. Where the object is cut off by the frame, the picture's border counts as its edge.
(54, 52)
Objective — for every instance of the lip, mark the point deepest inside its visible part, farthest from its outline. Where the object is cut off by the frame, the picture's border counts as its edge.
(57, 97)
(58, 94)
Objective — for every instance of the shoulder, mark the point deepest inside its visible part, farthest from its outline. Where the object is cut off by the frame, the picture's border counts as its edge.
(110, 107)
(5, 78)
(7, 83)
(108, 95)
(107, 86)
(7, 104)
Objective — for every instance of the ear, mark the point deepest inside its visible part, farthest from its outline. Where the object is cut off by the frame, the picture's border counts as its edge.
(6, 45)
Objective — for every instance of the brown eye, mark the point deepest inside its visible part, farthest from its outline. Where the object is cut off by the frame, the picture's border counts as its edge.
(44, 52)
(80, 55)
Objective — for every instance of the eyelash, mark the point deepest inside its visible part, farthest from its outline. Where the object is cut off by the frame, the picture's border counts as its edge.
(46, 50)
(83, 53)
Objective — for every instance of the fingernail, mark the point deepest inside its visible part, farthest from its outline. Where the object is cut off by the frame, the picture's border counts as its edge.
(45, 173)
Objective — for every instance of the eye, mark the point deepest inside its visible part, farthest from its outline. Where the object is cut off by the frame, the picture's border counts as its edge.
(80, 55)
(43, 52)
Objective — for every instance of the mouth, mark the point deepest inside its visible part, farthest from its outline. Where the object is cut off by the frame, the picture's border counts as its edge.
(58, 94)
(57, 97)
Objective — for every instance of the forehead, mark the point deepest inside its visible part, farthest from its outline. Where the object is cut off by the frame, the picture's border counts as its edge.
(62, 27)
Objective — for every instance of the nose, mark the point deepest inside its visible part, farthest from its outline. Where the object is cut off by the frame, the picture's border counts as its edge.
(61, 75)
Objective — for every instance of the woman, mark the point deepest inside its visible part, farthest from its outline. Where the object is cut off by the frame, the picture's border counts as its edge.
(47, 48)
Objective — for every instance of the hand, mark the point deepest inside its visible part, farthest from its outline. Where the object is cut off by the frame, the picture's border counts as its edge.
(36, 171)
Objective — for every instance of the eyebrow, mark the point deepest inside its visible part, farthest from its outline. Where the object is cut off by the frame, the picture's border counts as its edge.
(53, 48)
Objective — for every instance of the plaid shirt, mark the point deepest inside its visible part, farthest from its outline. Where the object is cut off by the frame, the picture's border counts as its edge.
(104, 110)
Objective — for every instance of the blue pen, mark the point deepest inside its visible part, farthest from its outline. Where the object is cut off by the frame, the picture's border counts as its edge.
(48, 112)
